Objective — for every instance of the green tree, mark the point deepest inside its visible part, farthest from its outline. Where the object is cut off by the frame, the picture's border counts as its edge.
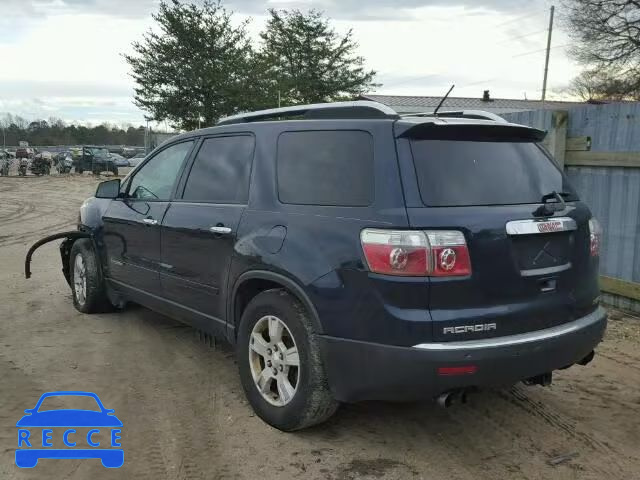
(196, 63)
(607, 42)
(305, 60)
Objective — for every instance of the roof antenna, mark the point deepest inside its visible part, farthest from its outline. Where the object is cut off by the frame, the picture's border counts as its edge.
(435, 112)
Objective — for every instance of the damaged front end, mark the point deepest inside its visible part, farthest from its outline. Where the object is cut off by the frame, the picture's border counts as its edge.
(65, 250)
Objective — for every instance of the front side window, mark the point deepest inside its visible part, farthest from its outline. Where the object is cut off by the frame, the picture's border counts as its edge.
(333, 168)
(155, 180)
(221, 171)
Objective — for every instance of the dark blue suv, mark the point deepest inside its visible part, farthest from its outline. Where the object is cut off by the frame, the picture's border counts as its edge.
(352, 254)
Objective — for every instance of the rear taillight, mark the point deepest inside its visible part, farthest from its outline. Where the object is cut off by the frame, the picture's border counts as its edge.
(437, 253)
(595, 236)
(450, 256)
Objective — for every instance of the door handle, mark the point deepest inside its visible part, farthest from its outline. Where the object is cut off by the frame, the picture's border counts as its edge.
(150, 221)
(220, 230)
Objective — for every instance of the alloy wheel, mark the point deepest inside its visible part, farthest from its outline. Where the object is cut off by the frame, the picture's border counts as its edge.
(274, 360)
(80, 279)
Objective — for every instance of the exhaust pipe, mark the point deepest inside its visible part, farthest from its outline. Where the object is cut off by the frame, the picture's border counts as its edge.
(586, 360)
(543, 380)
(445, 400)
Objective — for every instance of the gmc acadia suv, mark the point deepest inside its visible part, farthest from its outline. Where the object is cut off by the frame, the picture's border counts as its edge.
(352, 254)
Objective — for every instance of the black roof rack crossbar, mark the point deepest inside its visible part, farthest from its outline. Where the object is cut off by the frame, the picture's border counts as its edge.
(338, 110)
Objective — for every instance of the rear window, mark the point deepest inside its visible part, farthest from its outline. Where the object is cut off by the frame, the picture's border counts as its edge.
(325, 168)
(463, 173)
(221, 171)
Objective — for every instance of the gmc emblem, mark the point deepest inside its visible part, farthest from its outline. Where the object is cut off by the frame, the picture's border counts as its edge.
(482, 327)
(548, 227)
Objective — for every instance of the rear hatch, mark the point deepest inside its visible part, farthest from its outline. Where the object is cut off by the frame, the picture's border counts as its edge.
(527, 233)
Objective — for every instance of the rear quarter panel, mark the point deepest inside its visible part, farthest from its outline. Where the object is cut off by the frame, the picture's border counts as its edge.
(321, 251)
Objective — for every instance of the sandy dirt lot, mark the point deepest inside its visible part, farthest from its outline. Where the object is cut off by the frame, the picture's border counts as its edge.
(185, 415)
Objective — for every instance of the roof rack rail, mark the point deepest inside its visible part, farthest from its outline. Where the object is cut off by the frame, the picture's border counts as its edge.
(475, 114)
(359, 109)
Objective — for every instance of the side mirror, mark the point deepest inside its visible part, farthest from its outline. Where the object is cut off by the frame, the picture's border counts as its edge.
(108, 189)
(29, 410)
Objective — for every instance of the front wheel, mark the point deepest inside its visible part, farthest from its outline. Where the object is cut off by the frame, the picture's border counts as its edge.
(87, 284)
(280, 366)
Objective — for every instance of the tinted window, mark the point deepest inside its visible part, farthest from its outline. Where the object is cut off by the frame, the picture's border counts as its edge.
(458, 173)
(155, 180)
(221, 171)
(325, 168)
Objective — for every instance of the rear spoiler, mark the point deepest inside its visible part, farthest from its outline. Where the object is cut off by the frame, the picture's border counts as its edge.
(475, 132)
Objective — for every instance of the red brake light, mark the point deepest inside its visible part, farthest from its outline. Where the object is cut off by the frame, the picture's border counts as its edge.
(464, 370)
(450, 254)
(435, 253)
(395, 252)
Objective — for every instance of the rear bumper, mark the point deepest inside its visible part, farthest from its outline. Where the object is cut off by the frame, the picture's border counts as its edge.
(370, 371)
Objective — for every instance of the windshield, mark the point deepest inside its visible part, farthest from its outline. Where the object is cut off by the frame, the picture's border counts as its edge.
(69, 402)
(465, 173)
(98, 152)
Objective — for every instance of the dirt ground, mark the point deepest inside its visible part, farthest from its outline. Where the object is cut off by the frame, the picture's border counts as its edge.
(185, 415)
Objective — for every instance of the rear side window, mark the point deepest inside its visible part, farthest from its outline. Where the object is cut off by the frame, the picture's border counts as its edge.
(221, 171)
(462, 173)
(326, 168)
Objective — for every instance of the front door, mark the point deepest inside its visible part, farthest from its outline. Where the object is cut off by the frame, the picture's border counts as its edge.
(132, 223)
(199, 228)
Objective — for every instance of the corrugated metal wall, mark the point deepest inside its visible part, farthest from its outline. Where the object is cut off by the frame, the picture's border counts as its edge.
(612, 128)
(612, 193)
(535, 118)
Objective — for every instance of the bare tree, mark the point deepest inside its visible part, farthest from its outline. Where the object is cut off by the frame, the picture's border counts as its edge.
(601, 85)
(607, 35)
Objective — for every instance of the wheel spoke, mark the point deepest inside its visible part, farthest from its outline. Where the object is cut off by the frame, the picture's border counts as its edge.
(259, 344)
(275, 330)
(285, 389)
(264, 380)
(80, 278)
(291, 357)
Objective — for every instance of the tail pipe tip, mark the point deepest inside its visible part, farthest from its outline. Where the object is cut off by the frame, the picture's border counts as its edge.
(445, 400)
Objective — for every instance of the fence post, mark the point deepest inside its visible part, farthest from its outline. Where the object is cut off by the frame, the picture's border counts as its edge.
(557, 136)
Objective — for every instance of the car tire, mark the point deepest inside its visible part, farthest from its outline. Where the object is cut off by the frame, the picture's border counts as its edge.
(87, 285)
(306, 400)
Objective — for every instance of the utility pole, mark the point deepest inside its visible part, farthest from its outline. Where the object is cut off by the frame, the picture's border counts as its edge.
(146, 137)
(546, 62)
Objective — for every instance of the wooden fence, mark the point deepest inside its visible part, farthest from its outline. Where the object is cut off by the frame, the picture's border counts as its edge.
(599, 148)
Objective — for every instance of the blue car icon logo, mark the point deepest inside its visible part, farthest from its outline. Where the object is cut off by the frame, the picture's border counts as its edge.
(84, 433)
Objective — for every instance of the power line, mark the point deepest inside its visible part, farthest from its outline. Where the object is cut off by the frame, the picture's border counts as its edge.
(411, 80)
(521, 36)
(403, 82)
(474, 83)
(522, 17)
(541, 50)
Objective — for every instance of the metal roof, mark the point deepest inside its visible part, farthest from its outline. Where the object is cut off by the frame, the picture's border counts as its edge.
(414, 104)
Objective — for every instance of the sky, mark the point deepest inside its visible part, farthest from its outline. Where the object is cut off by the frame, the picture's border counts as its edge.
(63, 58)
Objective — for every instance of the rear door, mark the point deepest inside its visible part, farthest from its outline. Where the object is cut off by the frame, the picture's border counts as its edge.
(531, 267)
(200, 227)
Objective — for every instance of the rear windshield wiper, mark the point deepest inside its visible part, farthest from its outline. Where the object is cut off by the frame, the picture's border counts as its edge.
(549, 208)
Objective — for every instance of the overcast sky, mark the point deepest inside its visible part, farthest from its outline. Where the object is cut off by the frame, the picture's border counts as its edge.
(62, 58)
